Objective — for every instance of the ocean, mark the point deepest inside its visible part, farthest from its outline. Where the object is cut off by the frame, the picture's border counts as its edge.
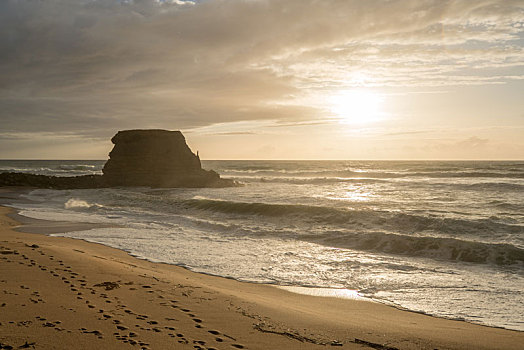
(442, 238)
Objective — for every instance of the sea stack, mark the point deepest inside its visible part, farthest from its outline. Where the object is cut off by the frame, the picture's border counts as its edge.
(156, 158)
(151, 158)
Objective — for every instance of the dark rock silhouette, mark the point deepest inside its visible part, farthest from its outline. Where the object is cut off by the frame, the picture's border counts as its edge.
(57, 182)
(153, 158)
(156, 158)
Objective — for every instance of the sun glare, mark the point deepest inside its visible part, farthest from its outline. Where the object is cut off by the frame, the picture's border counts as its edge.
(356, 106)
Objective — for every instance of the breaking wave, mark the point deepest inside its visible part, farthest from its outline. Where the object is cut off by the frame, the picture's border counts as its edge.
(429, 247)
(78, 204)
(309, 180)
(76, 167)
(393, 220)
(348, 173)
(480, 186)
(373, 230)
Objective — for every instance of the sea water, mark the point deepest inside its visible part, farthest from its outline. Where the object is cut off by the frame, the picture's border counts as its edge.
(443, 238)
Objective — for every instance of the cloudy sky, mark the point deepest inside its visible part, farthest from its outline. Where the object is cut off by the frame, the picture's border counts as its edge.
(265, 79)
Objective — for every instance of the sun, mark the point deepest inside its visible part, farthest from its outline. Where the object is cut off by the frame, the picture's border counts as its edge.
(356, 106)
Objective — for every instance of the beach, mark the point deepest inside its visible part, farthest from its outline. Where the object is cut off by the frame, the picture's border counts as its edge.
(262, 174)
(59, 293)
(439, 238)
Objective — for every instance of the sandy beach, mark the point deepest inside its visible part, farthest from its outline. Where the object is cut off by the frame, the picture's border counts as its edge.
(60, 293)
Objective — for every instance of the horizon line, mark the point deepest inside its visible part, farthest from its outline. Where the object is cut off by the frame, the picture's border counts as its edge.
(298, 160)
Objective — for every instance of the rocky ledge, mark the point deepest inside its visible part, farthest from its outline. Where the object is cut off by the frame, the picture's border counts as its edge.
(56, 182)
(152, 158)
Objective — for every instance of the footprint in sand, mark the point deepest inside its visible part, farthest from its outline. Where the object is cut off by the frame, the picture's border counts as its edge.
(95, 332)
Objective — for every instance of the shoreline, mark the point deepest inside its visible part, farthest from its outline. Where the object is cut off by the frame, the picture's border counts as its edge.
(230, 314)
(52, 227)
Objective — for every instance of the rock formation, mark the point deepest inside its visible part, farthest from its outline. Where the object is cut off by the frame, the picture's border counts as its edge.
(153, 158)
(57, 182)
(156, 158)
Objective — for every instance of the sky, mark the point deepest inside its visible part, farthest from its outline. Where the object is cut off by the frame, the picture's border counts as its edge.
(265, 79)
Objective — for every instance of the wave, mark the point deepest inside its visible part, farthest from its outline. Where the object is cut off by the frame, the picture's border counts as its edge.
(450, 249)
(507, 206)
(306, 173)
(52, 167)
(76, 203)
(81, 205)
(347, 173)
(73, 167)
(481, 186)
(255, 208)
(394, 221)
(469, 174)
(492, 186)
(387, 232)
(308, 180)
(33, 170)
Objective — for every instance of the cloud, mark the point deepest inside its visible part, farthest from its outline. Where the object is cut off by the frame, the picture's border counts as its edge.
(404, 133)
(92, 67)
(472, 142)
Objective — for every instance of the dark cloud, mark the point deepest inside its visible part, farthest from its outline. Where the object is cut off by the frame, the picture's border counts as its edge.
(91, 67)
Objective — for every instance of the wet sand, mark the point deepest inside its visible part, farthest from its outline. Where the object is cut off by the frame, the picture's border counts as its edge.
(61, 293)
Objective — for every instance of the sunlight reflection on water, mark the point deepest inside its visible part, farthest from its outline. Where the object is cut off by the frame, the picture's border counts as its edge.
(325, 292)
